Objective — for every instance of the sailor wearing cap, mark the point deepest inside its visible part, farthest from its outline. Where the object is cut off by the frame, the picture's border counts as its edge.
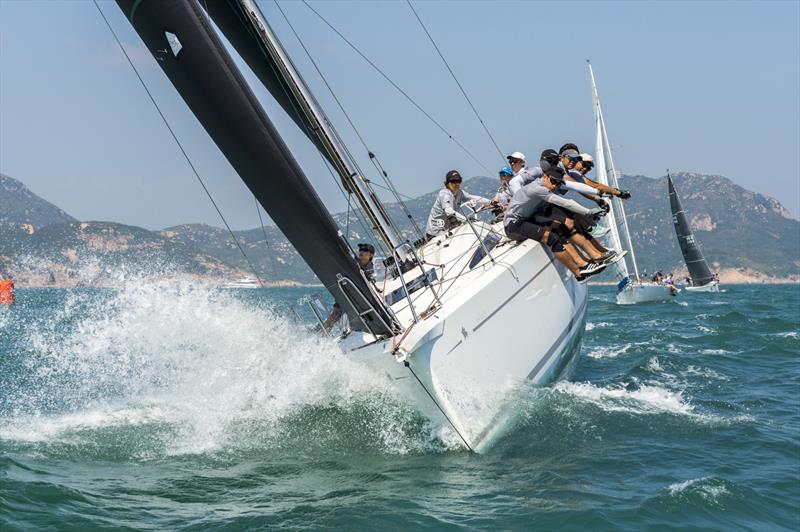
(503, 195)
(366, 252)
(444, 213)
(526, 219)
(577, 165)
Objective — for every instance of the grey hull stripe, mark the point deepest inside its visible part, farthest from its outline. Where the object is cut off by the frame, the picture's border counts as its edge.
(568, 331)
(506, 302)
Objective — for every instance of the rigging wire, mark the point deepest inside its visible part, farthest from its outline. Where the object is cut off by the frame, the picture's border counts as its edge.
(266, 240)
(397, 87)
(180, 146)
(446, 64)
(373, 159)
(310, 133)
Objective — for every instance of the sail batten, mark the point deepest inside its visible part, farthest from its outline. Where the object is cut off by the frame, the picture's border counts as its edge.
(692, 255)
(207, 79)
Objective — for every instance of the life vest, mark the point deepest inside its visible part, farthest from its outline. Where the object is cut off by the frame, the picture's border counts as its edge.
(6, 292)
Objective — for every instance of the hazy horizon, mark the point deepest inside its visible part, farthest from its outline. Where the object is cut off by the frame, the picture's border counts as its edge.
(713, 86)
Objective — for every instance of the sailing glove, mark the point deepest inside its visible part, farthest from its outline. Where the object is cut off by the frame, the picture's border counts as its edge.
(624, 194)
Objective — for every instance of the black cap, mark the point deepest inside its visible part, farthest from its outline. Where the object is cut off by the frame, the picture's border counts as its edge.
(552, 170)
(568, 146)
(550, 155)
(451, 176)
(366, 247)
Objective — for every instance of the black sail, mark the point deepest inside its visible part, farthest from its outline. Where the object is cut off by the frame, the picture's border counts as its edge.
(183, 42)
(230, 18)
(695, 262)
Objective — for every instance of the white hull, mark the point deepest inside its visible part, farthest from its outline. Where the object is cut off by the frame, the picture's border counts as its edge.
(645, 293)
(710, 287)
(500, 326)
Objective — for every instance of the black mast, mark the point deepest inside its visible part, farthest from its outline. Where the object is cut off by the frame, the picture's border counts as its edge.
(180, 37)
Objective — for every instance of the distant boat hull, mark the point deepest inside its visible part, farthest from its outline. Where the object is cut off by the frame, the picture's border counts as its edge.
(645, 293)
(519, 321)
(710, 287)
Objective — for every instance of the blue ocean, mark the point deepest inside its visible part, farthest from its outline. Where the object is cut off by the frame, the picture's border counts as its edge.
(176, 406)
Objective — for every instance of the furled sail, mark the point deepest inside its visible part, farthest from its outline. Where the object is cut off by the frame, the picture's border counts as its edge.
(692, 255)
(185, 45)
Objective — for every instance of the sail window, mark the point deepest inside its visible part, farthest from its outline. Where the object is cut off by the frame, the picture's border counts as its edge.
(174, 44)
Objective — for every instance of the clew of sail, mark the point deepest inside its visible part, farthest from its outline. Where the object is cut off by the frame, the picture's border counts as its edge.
(208, 80)
(692, 255)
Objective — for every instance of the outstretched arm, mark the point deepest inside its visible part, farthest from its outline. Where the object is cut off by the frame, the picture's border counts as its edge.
(568, 204)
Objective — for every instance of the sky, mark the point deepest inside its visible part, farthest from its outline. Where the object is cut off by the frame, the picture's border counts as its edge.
(710, 87)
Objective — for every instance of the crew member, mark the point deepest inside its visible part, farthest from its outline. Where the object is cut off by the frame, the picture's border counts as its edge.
(366, 252)
(503, 195)
(526, 219)
(444, 213)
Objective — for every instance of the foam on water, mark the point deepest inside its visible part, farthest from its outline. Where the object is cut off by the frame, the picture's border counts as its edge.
(213, 369)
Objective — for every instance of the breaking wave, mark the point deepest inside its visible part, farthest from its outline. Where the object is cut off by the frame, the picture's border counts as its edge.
(175, 368)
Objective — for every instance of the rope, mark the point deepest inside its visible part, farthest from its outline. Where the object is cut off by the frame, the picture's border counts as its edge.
(180, 146)
(397, 87)
(373, 159)
(406, 364)
(446, 64)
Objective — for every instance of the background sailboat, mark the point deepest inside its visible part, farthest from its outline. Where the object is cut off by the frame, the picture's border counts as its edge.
(629, 289)
(702, 278)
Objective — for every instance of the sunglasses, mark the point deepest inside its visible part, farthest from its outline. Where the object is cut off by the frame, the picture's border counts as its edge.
(455, 182)
(587, 166)
(511, 160)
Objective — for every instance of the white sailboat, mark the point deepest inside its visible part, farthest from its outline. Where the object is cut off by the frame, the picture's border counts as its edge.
(630, 290)
(456, 325)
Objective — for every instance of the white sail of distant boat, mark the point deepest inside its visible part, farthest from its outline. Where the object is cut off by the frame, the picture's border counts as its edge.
(702, 278)
(450, 323)
(629, 289)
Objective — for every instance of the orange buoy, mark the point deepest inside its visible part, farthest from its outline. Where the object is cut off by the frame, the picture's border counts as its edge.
(6, 292)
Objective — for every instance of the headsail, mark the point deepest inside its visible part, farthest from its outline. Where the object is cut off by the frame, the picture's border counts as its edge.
(607, 175)
(182, 40)
(692, 255)
(251, 35)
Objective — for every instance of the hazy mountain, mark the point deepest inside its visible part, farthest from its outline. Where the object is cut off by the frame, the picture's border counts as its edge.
(18, 206)
(737, 228)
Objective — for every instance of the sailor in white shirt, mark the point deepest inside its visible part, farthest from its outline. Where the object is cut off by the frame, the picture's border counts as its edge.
(445, 211)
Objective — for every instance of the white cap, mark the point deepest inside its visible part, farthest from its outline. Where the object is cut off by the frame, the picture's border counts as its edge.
(516, 155)
(586, 157)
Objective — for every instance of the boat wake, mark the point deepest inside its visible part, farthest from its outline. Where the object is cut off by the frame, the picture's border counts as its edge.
(163, 369)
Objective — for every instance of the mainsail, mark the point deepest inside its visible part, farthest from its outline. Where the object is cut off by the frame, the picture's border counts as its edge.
(251, 35)
(692, 255)
(615, 219)
(182, 40)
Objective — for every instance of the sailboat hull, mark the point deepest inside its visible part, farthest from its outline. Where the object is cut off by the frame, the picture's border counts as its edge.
(710, 287)
(645, 293)
(521, 323)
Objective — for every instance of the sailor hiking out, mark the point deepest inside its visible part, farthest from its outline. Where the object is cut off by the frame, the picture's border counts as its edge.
(445, 211)
(536, 212)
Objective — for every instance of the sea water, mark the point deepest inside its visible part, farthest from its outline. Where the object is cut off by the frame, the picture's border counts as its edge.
(171, 405)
